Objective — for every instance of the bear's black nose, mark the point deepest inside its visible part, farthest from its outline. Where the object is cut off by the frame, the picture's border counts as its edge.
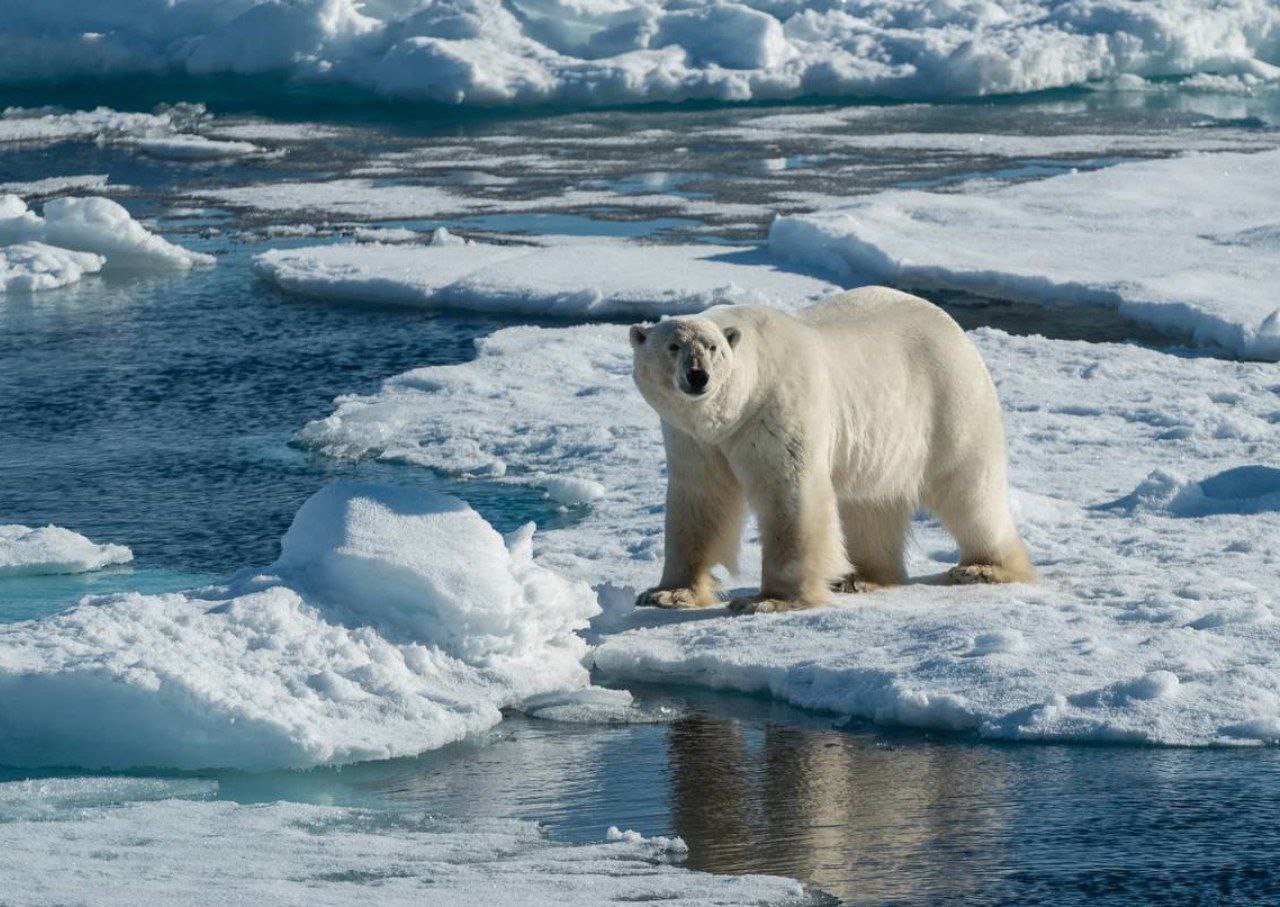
(697, 379)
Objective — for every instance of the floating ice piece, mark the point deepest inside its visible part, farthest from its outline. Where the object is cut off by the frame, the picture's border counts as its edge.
(37, 266)
(487, 53)
(26, 551)
(599, 279)
(119, 837)
(1188, 244)
(194, 148)
(18, 124)
(1126, 594)
(395, 621)
(78, 236)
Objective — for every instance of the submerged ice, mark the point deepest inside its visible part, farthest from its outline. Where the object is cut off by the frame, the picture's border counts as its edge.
(394, 622)
(607, 52)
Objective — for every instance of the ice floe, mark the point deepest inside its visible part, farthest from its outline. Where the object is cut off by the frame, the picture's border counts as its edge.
(26, 551)
(1190, 244)
(617, 51)
(1133, 598)
(394, 622)
(563, 278)
(194, 148)
(78, 236)
(132, 840)
(44, 125)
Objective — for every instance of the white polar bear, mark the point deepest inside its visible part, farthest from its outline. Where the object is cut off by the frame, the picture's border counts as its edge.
(835, 425)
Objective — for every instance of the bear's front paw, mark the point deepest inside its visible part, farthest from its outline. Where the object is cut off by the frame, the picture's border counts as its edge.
(681, 598)
(978, 574)
(759, 604)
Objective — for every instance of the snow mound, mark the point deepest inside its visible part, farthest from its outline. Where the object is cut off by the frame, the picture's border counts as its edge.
(36, 266)
(127, 844)
(25, 551)
(1243, 490)
(395, 621)
(194, 148)
(77, 236)
(487, 52)
(1082, 238)
(1129, 600)
(598, 279)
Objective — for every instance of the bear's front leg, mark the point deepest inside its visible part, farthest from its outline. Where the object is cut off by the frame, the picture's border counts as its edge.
(705, 506)
(802, 546)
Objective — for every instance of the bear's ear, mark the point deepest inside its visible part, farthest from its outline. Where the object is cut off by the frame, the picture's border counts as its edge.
(638, 333)
(733, 335)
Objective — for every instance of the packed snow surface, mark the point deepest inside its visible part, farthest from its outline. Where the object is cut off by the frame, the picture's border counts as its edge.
(394, 622)
(576, 278)
(52, 549)
(612, 51)
(1143, 482)
(77, 236)
(1190, 244)
(130, 841)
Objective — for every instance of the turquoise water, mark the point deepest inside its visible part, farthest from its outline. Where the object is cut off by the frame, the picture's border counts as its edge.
(158, 413)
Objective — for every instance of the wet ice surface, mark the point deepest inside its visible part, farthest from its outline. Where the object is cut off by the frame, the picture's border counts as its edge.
(166, 428)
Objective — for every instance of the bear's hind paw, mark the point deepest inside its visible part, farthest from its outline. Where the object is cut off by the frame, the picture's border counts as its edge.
(755, 604)
(854, 584)
(981, 574)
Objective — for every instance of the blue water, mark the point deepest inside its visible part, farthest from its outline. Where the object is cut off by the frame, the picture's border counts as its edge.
(158, 413)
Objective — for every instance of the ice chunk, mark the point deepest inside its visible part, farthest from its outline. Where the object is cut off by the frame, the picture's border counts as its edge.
(1083, 238)
(78, 832)
(26, 551)
(18, 124)
(194, 148)
(486, 52)
(601, 279)
(396, 621)
(37, 266)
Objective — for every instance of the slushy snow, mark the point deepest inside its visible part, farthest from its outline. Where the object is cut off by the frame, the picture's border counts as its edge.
(622, 51)
(130, 841)
(565, 278)
(26, 551)
(1154, 621)
(1191, 244)
(394, 622)
(78, 236)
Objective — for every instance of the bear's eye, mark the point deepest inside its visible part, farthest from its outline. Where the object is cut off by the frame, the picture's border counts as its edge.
(674, 348)
(712, 347)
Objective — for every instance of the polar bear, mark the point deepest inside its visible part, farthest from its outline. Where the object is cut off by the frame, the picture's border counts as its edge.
(834, 425)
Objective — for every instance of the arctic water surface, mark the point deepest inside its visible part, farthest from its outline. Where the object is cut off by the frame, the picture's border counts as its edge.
(161, 412)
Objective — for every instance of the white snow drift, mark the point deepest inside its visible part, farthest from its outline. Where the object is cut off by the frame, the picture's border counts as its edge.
(52, 549)
(395, 621)
(130, 841)
(1190, 244)
(600, 278)
(611, 51)
(1155, 618)
(78, 236)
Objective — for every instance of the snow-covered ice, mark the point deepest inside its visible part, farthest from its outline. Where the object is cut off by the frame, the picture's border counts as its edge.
(565, 278)
(194, 148)
(1190, 244)
(1154, 621)
(394, 622)
(616, 51)
(26, 551)
(45, 125)
(127, 841)
(77, 236)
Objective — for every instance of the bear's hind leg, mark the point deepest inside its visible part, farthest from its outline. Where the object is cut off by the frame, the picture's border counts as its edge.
(976, 513)
(875, 534)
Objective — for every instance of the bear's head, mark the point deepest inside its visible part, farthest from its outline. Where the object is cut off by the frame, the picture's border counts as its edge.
(684, 368)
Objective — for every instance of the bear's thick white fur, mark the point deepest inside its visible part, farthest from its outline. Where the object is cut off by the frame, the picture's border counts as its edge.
(835, 425)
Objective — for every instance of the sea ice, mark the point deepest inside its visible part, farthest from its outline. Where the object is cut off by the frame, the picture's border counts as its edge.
(394, 622)
(1188, 244)
(25, 551)
(619, 51)
(565, 278)
(77, 236)
(1133, 598)
(150, 840)
(194, 148)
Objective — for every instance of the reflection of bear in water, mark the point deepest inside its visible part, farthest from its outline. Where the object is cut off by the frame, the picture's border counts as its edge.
(835, 425)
